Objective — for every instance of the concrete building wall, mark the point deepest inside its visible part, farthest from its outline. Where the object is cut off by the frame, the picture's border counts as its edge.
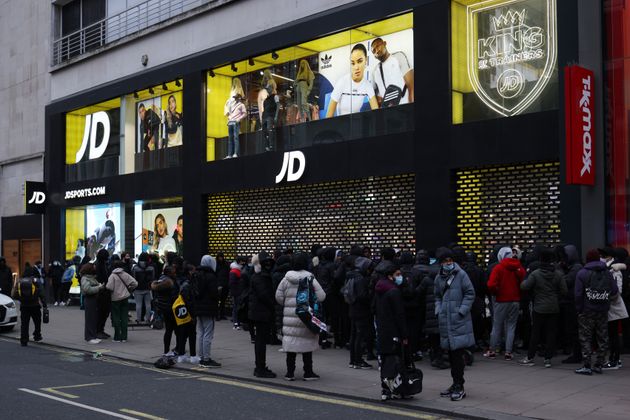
(217, 27)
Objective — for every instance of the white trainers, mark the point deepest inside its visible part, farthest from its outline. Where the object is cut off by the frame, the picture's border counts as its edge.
(56, 304)
(182, 359)
(94, 341)
(62, 304)
(194, 360)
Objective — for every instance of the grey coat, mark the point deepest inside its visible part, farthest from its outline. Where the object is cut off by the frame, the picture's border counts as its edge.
(452, 306)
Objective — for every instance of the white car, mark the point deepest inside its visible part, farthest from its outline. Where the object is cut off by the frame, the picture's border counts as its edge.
(8, 313)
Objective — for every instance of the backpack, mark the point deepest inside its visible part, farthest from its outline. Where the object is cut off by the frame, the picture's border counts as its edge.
(26, 289)
(68, 274)
(307, 306)
(164, 362)
(598, 287)
(349, 289)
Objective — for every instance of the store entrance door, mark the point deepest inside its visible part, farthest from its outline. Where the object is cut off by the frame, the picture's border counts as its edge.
(18, 252)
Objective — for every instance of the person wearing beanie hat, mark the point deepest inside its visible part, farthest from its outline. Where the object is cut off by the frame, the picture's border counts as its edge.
(592, 309)
(547, 285)
(261, 311)
(206, 308)
(454, 298)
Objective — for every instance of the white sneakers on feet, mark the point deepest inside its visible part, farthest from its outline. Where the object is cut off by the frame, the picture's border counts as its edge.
(94, 341)
(194, 360)
(183, 359)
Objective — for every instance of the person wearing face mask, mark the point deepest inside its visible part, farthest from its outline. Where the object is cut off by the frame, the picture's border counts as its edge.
(392, 328)
(454, 298)
(617, 310)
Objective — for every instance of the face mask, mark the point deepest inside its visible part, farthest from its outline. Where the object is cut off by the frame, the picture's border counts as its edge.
(448, 267)
(398, 280)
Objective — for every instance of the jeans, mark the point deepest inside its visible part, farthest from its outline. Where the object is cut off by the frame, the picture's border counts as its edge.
(120, 312)
(358, 333)
(260, 347)
(269, 133)
(301, 99)
(307, 359)
(26, 314)
(235, 302)
(143, 298)
(233, 141)
(205, 334)
(505, 318)
(456, 359)
(548, 323)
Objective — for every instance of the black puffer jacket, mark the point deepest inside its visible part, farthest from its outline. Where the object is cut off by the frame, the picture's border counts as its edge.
(570, 270)
(427, 291)
(207, 292)
(390, 316)
(325, 270)
(166, 290)
(409, 289)
(261, 297)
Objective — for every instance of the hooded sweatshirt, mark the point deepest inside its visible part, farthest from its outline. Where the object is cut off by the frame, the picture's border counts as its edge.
(582, 304)
(506, 278)
(207, 297)
(119, 283)
(548, 285)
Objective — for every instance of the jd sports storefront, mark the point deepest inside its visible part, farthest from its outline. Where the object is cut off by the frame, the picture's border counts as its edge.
(408, 124)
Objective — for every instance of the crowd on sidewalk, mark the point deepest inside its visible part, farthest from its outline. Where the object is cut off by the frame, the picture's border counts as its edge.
(392, 311)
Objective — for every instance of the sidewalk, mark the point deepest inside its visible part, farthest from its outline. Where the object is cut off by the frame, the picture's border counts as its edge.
(496, 389)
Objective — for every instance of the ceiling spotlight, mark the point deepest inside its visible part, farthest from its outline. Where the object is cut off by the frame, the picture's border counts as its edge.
(211, 73)
(234, 68)
(135, 95)
(179, 84)
(251, 62)
(151, 91)
(164, 87)
(274, 55)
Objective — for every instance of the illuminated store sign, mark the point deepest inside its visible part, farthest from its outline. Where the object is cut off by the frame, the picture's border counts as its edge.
(289, 168)
(84, 193)
(35, 197)
(511, 51)
(90, 135)
(579, 126)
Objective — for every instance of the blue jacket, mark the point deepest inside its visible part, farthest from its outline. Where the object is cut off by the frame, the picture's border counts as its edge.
(452, 305)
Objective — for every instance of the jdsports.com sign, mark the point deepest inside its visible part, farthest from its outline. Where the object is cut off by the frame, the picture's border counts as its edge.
(85, 192)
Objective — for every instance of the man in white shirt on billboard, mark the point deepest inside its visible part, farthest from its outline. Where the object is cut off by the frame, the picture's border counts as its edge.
(392, 76)
(351, 90)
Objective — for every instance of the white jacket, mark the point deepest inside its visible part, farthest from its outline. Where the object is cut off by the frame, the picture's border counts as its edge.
(617, 307)
(117, 283)
(296, 338)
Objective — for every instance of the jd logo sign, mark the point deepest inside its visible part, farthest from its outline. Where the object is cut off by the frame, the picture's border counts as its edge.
(288, 166)
(511, 51)
(92, 123)
(34, 197)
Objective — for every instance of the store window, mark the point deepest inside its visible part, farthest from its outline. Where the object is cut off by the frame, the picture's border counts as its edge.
(88, 229)
(353, 84)
(503, 58)
(617, 20)
(141, 131)
(159, 226)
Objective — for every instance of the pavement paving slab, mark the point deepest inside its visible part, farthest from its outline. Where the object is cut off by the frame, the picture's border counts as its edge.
(496, 389)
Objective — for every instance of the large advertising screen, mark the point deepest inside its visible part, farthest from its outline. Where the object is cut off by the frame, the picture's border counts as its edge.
(103, 230)
(163, 230)
(160, 122)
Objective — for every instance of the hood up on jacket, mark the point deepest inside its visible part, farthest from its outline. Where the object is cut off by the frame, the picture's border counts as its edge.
(294, 277)
(209, 261)
(505, 252)
(573, 256)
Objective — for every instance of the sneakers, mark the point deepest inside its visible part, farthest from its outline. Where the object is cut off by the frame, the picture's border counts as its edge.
(234, 155)
(547, 363)
(351, 365)
(526, 362)
(489, 354)
(37, 339)
(94, 341)
(56, 304)
(209, 363)
(311, 376)
(458, 393)
(584, 370)
(62, 303)
(116, 341)
(170, 354)
(227, 157)
(264, 373)
(386, 395)
(182, 359)
(289, 377)
(508, 356)
(362, 365)
(195, 360)
(236, 327)
(447, 392)
(611, 366)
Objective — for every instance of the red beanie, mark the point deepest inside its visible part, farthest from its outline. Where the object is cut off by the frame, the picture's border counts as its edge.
(592, 255)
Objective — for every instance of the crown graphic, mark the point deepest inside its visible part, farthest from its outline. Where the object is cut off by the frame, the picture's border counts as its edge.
(508, 20)
(326, 59)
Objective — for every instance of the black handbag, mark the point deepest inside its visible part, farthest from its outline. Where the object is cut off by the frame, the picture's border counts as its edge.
(45, 316)
(393, 94)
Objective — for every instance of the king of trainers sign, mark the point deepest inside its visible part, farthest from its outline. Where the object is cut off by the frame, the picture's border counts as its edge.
(579, 98)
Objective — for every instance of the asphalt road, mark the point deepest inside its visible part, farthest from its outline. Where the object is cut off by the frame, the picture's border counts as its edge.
(40, 382)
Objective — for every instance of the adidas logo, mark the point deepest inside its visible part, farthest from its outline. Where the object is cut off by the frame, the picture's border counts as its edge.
(326, 59)
(508, 20)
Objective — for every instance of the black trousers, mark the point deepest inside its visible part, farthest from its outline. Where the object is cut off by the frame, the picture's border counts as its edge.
(263, 330)
(549, 324)
(456, 359)
(104, 305)
(26, 314)
(57, 290)
(358, 334)
(307, 359)
(614, 344)
(223, 297)
(169, 326)
(570, 326)
(185, 332)
(90, 306)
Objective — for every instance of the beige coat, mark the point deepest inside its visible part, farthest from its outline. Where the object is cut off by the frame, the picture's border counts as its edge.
(617, 307)
(296, 338)
(117, 283)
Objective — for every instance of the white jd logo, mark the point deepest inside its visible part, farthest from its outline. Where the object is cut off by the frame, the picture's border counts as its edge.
(37, 198)
(91, 124)
(288, 166)
(182, 311)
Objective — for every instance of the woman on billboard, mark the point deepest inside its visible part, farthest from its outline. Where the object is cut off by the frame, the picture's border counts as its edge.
(174, 123)
(353, 89)
(162, 243)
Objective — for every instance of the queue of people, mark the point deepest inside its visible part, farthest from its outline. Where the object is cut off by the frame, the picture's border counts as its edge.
(394, 311)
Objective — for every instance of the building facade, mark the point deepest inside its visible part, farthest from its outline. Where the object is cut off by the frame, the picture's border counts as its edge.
(409, 124)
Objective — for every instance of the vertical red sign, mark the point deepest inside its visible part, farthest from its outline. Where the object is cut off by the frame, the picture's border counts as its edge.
(579, 99)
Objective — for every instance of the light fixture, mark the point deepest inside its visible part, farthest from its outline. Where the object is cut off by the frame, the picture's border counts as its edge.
(151, 91)
(211, 73)
(274, 55)
(179, 84)
(234, 68)
(135, 95)
(251, 62)
(164, 87)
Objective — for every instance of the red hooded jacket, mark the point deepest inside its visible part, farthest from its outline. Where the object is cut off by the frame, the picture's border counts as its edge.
(505, 280)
